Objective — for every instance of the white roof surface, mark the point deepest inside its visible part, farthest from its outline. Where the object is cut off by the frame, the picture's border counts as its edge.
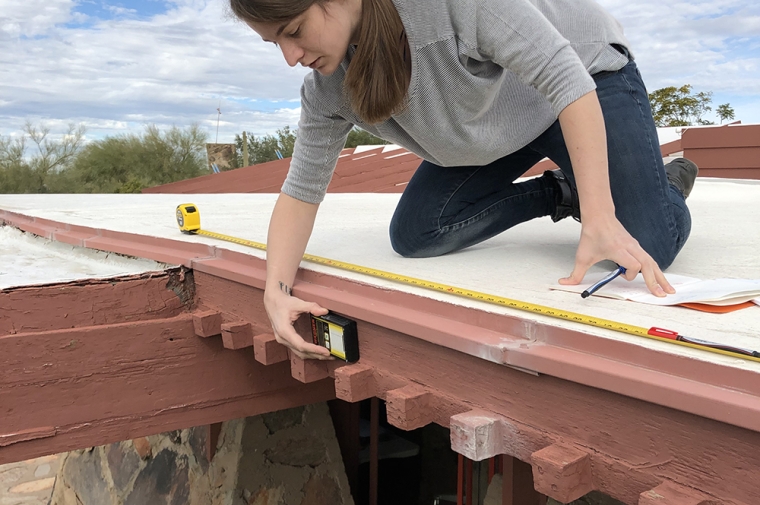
(519, 264)
(28, 260)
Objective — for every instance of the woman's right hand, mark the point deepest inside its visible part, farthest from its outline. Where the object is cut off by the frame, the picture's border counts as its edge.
(283, 311)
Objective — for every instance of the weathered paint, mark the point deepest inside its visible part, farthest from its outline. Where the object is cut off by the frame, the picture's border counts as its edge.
(562, 472)
(237, 335)
(102, 380)
(355, 383)
(634, 445)
(409, 407)
(668, 493)
(207, 323)
(267, 350)
(308, 370)
(90, 302)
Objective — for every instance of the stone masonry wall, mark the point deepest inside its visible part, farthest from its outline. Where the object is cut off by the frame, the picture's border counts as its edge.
(289, 457)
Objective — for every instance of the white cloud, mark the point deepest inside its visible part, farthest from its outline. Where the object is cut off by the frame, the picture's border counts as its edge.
(171, 68)
(711, 44)
(29, 18)
(116, 75)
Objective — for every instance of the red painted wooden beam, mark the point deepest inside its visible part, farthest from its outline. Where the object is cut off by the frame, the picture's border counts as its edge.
(355, 383)
(268, 351)
(308, 370)
(95, 301)
(237, 335)
(207, 323)
(562, 472)
(409, 407)
(645, 417)
(71, 388)
(669, 493)
(528, 413)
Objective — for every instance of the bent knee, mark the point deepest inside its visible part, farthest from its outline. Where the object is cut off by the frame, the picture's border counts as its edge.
(410, 244)
(406, 246)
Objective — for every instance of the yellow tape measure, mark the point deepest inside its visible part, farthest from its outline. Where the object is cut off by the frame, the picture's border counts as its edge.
(189, 221)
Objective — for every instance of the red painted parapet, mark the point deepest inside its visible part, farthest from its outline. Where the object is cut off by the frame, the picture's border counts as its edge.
(354, 383)
(562, 472)
(268, 351)
(668, 493)
(724, 151)
(207, 323)
(670, 148)
(237, 335)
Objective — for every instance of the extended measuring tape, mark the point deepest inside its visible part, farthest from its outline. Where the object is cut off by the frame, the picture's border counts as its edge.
(189, 221)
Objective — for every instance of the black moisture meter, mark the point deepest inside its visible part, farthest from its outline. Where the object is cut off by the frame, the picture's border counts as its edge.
(337, 334)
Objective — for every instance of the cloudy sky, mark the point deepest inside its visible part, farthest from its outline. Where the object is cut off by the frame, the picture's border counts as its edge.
(118, 65)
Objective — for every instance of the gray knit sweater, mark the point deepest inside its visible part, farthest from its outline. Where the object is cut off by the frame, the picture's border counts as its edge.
(488, 77)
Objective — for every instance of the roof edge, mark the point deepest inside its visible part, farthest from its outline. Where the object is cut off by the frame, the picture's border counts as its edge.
(710, 390)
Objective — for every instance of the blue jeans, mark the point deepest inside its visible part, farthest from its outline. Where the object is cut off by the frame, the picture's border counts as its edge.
(444, 209)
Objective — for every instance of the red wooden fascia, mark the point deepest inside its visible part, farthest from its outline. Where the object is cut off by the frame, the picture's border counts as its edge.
(726, 394)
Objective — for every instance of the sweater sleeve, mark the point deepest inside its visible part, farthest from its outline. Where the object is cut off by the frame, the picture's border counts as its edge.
(517, 36)
(320, 139)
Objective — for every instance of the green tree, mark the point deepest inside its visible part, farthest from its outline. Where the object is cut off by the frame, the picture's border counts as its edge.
(265, 147)
(725, 112)
(673, 106)
(40, 170)
(286, 139)
(359, 137)
(130, 163)
(16, 176)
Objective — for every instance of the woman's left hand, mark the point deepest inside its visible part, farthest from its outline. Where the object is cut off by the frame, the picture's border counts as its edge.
(604, 238)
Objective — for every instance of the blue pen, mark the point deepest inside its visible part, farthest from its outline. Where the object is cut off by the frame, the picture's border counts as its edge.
(594, 288)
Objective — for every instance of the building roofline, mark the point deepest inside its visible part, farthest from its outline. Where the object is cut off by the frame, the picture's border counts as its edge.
(727, 394)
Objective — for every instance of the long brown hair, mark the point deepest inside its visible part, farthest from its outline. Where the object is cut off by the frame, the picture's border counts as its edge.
(378, 76)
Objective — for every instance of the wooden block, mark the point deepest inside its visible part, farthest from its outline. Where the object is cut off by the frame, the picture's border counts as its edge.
(354, 383)
(207, 323)
(476, 434)
(237, 335)
(268, 351)
(409, 407)
(308, 370)
(669, 493)
(562, 472)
